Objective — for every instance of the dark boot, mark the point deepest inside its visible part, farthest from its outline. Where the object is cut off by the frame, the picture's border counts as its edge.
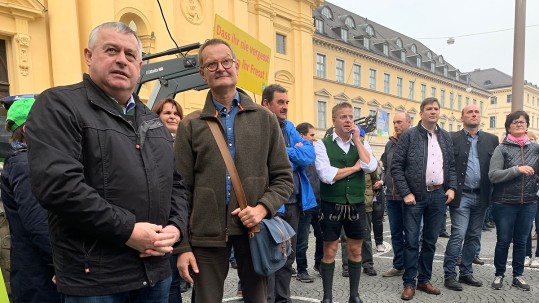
(354, 268)
(326, 271)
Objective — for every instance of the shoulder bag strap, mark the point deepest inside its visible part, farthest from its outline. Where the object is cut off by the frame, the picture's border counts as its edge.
(231, 167)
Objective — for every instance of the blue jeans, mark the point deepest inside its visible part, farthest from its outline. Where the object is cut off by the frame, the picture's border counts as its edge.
(431, 209)
(175, 295)
(513, 222)
(395, 210)
(529, 241)
(148, 294)
(466, 227)
(308, 218)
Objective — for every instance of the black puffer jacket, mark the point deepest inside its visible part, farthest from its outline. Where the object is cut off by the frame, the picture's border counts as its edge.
(391, 190)
(510, 186)
(98, 172)
(410, 161)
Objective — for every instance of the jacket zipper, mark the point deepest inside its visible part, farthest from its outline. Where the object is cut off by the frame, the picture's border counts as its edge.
(522, 178)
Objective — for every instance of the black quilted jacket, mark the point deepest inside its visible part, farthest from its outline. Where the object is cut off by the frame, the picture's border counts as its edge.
(410, 161)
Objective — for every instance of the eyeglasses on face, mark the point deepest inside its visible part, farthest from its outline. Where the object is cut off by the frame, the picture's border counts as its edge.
(225, 63)
(518, 122)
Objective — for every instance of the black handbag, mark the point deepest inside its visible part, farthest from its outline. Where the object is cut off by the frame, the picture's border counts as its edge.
(270, 241)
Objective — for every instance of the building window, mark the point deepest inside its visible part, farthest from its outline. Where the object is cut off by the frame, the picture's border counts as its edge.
(350, 22)
(321, 66)
(474, 102)
(414, 49)
(399, 42)
(366, 43)
(432, 67)
(385, 49)
(493, 100)
(412, 120)
(344, 34)
(493, 122)
(450, 126)
(399, 87)
(372, 112)
(357, 112)
(403, 56)
(451, 100)
(459, 102)
(339, 70)
(423, 92)
(411, 88)
(386, 83)
(418, 61)
(445, 71)
(280, 44)
(467, 101)
(319, 25)
(509, 98)
(327, 12)
(357, 74)
(370, 31)
(481, 106)
(442, 97)
(322, 114)
(442, 125)
(372, 79)
(433, 92)
(429, 55)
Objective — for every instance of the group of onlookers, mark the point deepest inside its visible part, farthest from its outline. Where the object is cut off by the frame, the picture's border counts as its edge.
(107, 198)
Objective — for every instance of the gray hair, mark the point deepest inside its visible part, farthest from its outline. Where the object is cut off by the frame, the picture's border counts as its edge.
(119, 27)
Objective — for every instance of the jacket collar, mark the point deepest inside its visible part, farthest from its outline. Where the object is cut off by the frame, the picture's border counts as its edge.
(98, 97)
(424, 131)
(209, 110)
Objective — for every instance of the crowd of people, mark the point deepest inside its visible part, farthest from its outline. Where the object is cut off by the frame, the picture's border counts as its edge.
(109, 201)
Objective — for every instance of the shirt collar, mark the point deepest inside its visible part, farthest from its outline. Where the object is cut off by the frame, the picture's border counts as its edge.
(468, 133)
(128, 106)
(222, 109)
(335, 137)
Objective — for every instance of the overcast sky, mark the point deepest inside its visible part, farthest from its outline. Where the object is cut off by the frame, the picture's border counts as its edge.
(421, 19)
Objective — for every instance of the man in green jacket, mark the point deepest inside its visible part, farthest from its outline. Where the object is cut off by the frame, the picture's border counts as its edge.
(255, 142)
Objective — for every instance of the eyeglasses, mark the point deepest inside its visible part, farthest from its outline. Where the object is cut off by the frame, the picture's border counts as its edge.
(225, 63)
(515, 122)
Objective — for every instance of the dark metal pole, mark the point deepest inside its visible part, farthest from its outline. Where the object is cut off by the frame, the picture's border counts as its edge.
(518, 55)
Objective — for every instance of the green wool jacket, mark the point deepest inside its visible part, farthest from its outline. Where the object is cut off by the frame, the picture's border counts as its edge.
(349, 190)
(261, 161)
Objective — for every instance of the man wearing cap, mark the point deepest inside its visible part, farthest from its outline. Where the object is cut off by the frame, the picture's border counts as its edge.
(31, 255)
(341, 163)
(102, 164)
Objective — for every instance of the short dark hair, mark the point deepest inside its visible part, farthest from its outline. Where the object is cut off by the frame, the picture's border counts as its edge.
(158, 107)
(428, 101)
(268, 92)
(339, 106)
(303, 128)
(213, 41)
(515, 115)
(18, 134)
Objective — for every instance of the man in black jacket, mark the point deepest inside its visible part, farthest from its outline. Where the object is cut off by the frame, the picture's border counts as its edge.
(102, 164)
(422, 153)
(395, 205)
(473, 149)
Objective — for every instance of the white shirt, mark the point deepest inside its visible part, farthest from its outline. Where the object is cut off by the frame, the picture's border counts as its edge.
(326, 172)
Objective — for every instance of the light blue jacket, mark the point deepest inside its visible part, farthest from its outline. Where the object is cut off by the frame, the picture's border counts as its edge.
(300, 158)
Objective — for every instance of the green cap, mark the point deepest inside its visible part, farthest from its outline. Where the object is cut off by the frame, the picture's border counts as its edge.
(18, 112)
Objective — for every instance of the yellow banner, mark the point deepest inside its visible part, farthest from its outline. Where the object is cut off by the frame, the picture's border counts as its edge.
(252, 55)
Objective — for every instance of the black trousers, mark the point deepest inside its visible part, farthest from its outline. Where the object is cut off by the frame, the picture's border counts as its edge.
(279, 282)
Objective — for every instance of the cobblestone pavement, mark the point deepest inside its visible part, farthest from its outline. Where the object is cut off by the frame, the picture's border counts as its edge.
(379, 289)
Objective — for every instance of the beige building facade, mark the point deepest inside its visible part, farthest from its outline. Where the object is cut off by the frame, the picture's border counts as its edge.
(320, 52)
